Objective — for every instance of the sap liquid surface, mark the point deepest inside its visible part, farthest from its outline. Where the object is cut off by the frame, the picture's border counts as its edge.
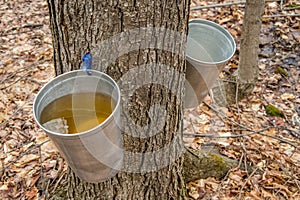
(82, 111)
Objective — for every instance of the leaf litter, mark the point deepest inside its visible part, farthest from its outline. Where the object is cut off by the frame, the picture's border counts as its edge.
(268, 149)
(31, 167)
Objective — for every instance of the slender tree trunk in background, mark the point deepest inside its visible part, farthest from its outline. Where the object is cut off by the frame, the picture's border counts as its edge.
(245, 78)
(248, 70)
(79, 27)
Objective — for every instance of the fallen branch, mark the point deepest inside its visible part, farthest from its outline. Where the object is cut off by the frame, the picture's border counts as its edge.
(218, 5)
(8, 118)
(33, 148)
(223, 5)
(16, 81)
(222, 136)
(292, 8)
(12, 74)
(31, 26)
(281, 140)
(281, 4)
(248, 179)
(243, 2)
(26, 26)
(41, 169)
(16, 33)
(282, 15)
(248, 129)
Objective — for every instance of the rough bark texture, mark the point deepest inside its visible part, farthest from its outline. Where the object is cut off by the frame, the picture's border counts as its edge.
(247, 73)
(248, 59)
(78, 27)
(198, 164)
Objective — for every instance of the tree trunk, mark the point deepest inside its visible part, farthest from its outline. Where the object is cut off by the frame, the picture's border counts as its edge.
(250, 41)
(149, 65)
(245, 79)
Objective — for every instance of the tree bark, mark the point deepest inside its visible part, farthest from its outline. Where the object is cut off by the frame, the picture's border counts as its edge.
(243, 82)
(250, 41)
(81, 26)
(198, 164)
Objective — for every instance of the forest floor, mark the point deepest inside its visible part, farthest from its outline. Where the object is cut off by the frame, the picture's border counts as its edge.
(29, 163)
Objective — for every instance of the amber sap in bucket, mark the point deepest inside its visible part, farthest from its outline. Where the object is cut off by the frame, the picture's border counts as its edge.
(82, 111)
(95, 152)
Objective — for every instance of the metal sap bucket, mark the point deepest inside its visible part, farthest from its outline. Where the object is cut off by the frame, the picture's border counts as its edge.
(209, 47)
(94, 155)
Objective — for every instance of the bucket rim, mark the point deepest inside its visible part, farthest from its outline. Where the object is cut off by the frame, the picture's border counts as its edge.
(220, 28)
(87, 132)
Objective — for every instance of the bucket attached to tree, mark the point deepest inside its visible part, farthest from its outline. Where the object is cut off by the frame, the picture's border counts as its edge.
(209, 47)
(94, 154)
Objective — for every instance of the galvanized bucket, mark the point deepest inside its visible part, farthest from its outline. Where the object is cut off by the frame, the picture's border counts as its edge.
(94, 155)
(209, 47)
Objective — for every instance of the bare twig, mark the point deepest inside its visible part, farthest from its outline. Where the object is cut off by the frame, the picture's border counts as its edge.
(192, 125)
(282, 166)
(245, 153)
(228, 80)
(23, 77)
(281, 139)
(292, 8)
(26, 26)
(41, 169)
(221, 117)
(250, 130)
(237, 98)
(279, 189)
(282, 15)
(298, 185)
(243, 2)
(217, 136)
(281, 4)
(19, 147)
(218, 5)
(47, 189)
(23, 154)
(249, 177)
(58, 181)
(241, 159)
(223, 181)
(15, 112)
(228, 136)
(222, 5)
(31, 26)
(11, 75)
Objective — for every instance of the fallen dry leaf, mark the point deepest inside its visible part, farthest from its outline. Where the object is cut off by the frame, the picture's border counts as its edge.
(278, 162)
(287, 96)
(3, 187)
(26, 159)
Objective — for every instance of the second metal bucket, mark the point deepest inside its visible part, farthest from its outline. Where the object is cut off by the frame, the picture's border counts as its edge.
(209, 47)
(94, 155)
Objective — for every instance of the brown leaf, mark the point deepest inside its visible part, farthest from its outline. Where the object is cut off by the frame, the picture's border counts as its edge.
(3, 187)
(26, 159)
(32, 193)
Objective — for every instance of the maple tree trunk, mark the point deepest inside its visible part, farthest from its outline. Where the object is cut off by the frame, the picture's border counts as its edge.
(245, 79)
(81, 26)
